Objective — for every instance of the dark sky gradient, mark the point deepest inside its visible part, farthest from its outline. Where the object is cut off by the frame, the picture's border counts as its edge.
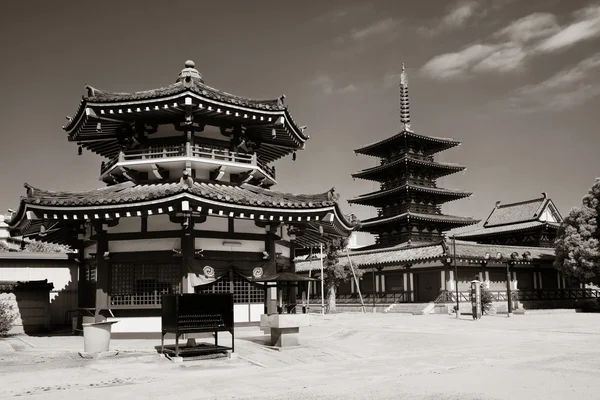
(338, 64)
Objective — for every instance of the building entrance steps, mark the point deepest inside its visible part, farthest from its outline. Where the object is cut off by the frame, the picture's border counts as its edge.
(411, 308)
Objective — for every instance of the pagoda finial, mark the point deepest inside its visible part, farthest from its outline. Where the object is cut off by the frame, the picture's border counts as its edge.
(189, 74)
(404, 105)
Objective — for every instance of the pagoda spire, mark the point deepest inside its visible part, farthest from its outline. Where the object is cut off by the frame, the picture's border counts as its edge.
(404, 105)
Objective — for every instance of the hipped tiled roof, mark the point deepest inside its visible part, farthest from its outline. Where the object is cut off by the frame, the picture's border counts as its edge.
(129, 192)
(407, 254)
(516, 212)
(518, 227)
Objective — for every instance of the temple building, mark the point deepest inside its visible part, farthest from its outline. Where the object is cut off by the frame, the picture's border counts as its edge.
(423, 259)
(187, 206)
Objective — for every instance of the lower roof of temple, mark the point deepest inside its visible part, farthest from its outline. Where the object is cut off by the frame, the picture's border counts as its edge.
(43, 211)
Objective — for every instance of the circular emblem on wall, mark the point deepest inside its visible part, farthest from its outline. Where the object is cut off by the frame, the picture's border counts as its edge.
(257, 272)
(209, 271)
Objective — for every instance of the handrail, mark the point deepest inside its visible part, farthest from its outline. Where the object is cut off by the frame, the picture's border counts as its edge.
(447, 296)
(186, 150)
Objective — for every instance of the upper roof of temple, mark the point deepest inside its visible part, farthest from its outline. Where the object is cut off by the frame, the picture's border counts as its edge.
(102, 115)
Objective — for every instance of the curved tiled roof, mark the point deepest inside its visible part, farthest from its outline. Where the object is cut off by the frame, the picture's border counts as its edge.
(374, 147)
(450, 167)
(129, 192)
(100, 96)
(419, 188)
(426, 217)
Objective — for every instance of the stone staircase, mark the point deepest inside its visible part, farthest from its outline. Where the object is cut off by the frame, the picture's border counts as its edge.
(411, 308)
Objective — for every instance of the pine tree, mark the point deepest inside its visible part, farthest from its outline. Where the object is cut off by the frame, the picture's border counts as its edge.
(578, 240)
(336, 271)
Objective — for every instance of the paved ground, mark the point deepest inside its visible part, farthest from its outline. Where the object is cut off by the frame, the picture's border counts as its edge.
(346, 356)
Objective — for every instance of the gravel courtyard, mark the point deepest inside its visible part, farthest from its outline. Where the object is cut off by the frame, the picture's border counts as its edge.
(343, 356)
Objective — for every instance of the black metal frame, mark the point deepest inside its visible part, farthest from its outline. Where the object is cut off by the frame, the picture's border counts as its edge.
(197, 313)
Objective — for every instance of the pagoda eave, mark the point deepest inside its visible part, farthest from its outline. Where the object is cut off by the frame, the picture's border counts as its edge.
(380, 148)
(382, 197)
(447, 220)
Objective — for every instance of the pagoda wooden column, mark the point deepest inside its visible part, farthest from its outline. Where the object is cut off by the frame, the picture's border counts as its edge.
(271, 299)
(188, 248)
(293, 292)
(102, 274)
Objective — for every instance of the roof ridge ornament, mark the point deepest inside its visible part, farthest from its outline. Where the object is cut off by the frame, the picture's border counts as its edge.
(404, 103)
(189, 74)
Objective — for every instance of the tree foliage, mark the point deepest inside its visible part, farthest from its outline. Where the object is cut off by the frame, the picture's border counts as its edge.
(7, 317)
(336, 270)
(578, 238)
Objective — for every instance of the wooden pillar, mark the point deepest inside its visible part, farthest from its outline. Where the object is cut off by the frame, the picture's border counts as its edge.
(382, 284)
(188, 248)
(443, 280)
(535, 280)
(412, 287)
(293, 289)
(558, 280)
(102, 274)
(540, 284)
(451, 281)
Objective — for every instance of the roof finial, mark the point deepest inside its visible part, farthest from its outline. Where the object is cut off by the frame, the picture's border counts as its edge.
(404, 106)
(189, 74)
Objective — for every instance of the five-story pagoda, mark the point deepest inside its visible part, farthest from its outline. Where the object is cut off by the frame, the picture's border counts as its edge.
(187, 206)
(409, 201)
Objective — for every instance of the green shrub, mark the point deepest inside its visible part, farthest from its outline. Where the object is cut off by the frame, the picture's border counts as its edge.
(486, 300)
(7, 317)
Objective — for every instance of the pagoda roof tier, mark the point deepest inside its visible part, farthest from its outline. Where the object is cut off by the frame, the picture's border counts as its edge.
(102, 115)
(378, 223)
(382, 197)
(379, 173)
(382, 148)
(318, 213)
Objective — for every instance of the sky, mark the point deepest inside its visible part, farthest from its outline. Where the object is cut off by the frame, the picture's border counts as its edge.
(516, 81)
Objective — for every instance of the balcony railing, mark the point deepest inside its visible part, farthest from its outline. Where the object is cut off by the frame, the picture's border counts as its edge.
(448, 296)
(353, 298)
(188, 150)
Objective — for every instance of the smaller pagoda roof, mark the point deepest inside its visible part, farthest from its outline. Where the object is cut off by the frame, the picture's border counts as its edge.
(378, 173)
(369, 198)
(448, 219)
(380, 148)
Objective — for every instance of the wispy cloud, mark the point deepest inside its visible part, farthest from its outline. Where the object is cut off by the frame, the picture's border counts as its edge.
(585, 26)
(340, 14)
(458, 16)
(568, 88)
(327, 85)
(509, 48)
(376, 29)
